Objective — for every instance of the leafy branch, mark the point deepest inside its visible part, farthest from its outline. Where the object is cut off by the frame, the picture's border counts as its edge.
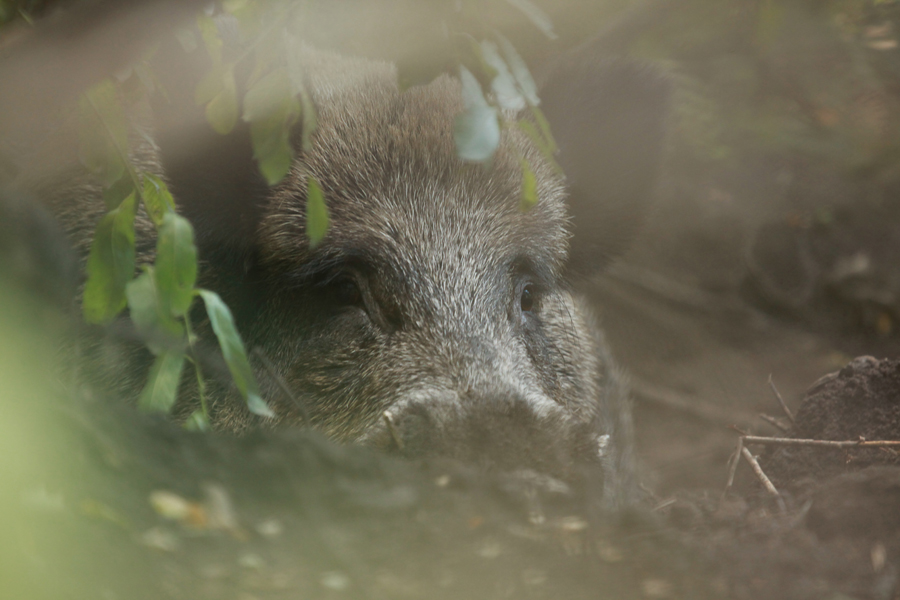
(162, 296)
(510, 90)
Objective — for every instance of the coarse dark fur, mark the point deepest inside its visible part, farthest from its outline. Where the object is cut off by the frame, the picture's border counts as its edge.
(433, 296)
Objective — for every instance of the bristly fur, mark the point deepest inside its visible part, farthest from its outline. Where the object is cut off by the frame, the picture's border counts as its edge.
(413, 302)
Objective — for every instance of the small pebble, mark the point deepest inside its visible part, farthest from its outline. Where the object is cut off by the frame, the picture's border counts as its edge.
(270, 528)
(160, 539)
(656, 588)
(251, 561)
(334, 580)
(534, 576)
(489, 549)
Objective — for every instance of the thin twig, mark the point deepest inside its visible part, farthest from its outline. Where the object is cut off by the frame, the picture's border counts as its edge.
(767, 483)
(778, 397)
(392, 428)
(739, 430)
(773, 422)
(733, 463)
(282, 384)
(775, 441)
(664, 504)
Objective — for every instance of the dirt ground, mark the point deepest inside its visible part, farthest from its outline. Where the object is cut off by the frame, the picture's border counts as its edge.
(683, 315)
(104, 503)
(702, 312)
(773, 267)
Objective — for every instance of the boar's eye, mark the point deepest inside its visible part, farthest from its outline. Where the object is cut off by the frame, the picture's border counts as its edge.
(346, 292)
(528, 298)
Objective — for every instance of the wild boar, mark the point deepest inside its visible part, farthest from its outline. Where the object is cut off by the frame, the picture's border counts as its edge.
(436, 317)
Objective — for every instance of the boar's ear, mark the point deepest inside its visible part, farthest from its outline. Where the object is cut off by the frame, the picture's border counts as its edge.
(213, 177)
(608, 117)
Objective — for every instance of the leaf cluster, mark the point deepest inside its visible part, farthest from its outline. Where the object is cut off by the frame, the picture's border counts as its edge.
(502, 85)
(162, 298)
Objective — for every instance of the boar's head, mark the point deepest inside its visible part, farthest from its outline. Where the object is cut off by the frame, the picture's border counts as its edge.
(433, 297)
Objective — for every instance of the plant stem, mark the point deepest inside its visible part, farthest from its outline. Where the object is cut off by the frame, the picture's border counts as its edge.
(201, 383)
(138, 189)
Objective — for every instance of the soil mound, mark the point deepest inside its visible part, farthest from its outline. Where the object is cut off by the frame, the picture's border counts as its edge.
(861, 401)
(834, 532)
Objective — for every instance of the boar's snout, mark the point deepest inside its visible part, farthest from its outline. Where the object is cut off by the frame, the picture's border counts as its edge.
(502, 432)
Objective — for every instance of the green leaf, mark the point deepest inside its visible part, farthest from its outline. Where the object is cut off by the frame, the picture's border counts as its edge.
(210, 86)
(537, 16)
(103, 133)
(503, 83)
(270, 95)
(529, 188)
(267, 52)
(545, 128)
(298, 87)
(117, 192)
(222, 110)
(481, 65)
(531, 131)
(310, 120)
(161, 390)
(176, 264)
(520, 71)
(149, 313)
(317, 218)
(233, 350)
(211, 39)
(272, 149)
(272, 109)
(248, 15)
(110, 265)
(476, 130)
(472, 95)
(157, 199)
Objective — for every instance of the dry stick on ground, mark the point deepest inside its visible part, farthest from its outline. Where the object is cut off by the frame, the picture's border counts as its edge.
(773, 422)
(733, 463)
(744, 439)
(774, 441)
(664, 504)
(767, 483)
(778, 397)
